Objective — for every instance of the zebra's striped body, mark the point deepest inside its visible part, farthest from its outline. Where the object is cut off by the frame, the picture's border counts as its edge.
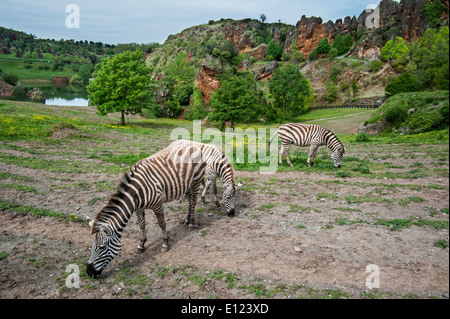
(217, 165)
(165, 176)
(310, 135)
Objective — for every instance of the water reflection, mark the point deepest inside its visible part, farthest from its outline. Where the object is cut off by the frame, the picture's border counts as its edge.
(65, 95)
(67, 102)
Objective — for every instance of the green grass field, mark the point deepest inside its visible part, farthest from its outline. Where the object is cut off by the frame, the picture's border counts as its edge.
(33, 74)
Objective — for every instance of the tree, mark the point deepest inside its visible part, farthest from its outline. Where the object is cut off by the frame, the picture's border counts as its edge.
(290, 90)
(348, 42)
(122, 84)
(179, 75)
(274, 51)
(85, 73)
(338, 44)
(263, 18)
(342, 44)
(355, 87)
(324, 47)
(396, 50)
(433, 12)
(236, 100)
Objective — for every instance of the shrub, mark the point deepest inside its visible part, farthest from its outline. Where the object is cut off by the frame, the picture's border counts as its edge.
(313, 55)
(362, 138)
(274, 50)
(10, 78)
(184, 94)
(375, 65)
(396, 114)
(76, 80)
(332, 93)
(404, 83)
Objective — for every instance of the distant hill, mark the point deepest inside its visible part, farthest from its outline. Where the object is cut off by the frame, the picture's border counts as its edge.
(21, 45)
(253, 45)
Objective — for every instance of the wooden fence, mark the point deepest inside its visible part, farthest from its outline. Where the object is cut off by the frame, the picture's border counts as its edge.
(352, 106)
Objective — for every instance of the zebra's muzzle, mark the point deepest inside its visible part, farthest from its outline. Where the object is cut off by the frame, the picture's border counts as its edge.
(90, 270)
(230, 212)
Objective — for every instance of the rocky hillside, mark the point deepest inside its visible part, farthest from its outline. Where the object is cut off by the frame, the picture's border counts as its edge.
(248, 41)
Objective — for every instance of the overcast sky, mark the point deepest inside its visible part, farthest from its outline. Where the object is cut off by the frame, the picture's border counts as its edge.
(143, 21)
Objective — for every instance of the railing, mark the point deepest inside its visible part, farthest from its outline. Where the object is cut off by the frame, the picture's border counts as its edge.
(351, 106)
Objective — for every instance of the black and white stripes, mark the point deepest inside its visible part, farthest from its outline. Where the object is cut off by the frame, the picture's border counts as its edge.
(175, 171)
(308, 135)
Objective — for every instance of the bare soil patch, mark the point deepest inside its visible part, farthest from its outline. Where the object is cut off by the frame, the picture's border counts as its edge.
(295, 235)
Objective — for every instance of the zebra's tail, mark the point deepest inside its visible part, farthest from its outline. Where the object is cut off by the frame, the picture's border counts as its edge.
(273, 136)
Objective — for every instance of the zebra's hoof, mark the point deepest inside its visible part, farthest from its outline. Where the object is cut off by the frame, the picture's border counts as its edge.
(190, 227)
(139, 250)
(186, 223)
(218, 205)
(165, 248)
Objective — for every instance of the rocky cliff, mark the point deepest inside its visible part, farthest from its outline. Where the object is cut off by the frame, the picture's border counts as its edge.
(406, 19)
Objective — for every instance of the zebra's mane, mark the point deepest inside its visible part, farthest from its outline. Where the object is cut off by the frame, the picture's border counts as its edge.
(105, 214)
(332, 137)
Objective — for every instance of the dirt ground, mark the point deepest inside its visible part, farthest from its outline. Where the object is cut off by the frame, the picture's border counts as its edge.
(295, 235)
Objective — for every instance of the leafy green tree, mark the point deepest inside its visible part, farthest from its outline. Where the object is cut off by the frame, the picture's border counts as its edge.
(85, 73)
(342, 44)
(396, 50)
(324, 47)
(122, 84)
(433, 12)
(355, 87)
(429, 61)
(236, 100)
(179, 76)
(290, 90)
(348, 42)
(274, 50)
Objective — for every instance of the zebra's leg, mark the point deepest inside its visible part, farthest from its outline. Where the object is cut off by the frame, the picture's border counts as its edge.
(141, 221)
(214, 187)
(286, 153)
(192, 203)
(188, 217)
(205, 190)
(159, 212)
(312, 154)
(280, 156)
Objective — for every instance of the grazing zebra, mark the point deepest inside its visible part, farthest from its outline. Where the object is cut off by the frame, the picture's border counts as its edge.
(217, 166)
(308, 135)
(163, 177)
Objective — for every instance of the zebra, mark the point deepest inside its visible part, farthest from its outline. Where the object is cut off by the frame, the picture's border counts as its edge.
(163, 177)
(217, 166)
(308, 135)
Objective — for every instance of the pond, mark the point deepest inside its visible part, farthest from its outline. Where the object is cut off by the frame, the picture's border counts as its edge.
(65, 95)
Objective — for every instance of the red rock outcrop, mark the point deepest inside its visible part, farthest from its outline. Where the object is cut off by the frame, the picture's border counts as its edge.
(207, 81)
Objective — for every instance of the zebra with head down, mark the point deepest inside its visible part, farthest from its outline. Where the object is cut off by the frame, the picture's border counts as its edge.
(308, 135)
(175, 171)
(218, 165)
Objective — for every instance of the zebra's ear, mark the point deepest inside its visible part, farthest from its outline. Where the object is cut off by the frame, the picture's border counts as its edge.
(90, 221)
